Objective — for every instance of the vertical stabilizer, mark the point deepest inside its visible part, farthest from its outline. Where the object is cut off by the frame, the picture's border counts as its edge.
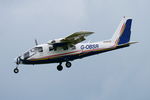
(123, 32)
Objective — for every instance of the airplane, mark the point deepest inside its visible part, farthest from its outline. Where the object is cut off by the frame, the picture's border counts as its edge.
(70, 48)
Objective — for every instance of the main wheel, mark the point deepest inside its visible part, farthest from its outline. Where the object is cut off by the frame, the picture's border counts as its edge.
(16, 70)
(59, 68)
(68, 64)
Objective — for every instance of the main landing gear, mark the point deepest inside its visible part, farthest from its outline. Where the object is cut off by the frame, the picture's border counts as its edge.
(60, 67)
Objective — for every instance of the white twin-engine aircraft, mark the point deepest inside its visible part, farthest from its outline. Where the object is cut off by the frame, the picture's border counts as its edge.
(69, 48)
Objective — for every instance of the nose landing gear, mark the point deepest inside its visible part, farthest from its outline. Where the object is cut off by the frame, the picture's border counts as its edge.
(18, 61)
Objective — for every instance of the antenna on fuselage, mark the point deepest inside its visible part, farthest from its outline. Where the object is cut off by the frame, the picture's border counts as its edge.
(36, 43)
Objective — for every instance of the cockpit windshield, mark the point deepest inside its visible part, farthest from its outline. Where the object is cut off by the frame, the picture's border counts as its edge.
(32, 52)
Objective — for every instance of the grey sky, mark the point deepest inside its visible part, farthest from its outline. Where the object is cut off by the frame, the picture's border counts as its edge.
(118, 75)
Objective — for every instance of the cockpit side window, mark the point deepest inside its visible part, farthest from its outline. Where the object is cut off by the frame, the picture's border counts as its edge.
(39, 49)
(32, 50)
(73, 47)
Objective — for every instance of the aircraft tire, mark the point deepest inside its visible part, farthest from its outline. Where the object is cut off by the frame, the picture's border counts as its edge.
(16, 70)
(68, 64)
(59, 68)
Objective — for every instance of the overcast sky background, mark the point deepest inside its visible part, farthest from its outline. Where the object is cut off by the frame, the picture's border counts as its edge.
(117, 75)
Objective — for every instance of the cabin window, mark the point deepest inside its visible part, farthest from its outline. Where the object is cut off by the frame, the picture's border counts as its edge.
(73, 47)
(51, 48)
(65, 47)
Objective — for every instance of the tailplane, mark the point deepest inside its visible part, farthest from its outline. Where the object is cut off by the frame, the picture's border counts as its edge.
(123, 32)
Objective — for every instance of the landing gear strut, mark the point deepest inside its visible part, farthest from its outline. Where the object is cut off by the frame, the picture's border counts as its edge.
(60, 67)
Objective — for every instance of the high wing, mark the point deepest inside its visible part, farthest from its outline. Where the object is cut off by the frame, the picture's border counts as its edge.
(76, 37)
(72, 39)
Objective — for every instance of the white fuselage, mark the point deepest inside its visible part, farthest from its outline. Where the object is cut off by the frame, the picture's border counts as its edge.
(50, 55)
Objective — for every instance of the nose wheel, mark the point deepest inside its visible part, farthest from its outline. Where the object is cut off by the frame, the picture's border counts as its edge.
(16, 70)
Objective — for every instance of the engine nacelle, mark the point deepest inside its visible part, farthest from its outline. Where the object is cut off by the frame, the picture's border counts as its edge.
(55, 41)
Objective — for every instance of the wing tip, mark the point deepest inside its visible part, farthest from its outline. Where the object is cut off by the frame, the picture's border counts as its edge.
(87, 32)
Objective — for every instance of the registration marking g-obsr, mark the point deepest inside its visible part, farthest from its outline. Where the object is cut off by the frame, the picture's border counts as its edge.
(90, 46)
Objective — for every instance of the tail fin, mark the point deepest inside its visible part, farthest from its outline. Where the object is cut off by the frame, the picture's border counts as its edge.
(123, 32)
